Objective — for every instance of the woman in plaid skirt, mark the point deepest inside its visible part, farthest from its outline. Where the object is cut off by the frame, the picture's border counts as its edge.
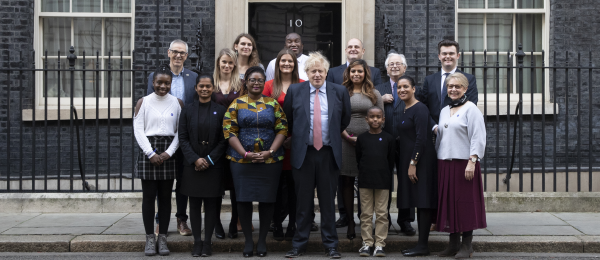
(155, 127)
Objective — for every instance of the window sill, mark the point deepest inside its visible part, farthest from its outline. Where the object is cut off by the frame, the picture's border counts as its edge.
(537, 108)
(90, 113)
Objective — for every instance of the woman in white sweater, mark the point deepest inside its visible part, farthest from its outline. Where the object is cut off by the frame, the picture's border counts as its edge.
(460, 144)
(155, 128)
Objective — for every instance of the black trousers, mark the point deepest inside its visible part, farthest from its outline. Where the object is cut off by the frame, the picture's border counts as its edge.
(318, 170)
(286, 187)
(161, 190)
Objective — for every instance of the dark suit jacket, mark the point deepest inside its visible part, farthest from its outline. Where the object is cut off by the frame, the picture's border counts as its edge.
(188, 133)
(297, 110)
(336, 75)
(386, 88)
(189, 82)
(432, 89)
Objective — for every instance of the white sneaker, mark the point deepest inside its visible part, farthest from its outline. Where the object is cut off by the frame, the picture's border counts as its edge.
(379, 252)
(365, 250)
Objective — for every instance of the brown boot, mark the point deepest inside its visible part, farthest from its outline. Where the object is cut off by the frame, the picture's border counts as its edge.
(183, 228)
(453, 246)
(466, 249)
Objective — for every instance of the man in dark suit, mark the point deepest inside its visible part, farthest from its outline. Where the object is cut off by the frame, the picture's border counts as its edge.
(434, 94)
(317, 112)
(395, 65)
(182, 87)
(354, 51)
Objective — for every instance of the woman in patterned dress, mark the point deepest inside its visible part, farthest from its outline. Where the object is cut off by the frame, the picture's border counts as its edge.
(256, 127)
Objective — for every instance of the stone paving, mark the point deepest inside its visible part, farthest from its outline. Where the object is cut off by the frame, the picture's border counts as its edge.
(94, 232)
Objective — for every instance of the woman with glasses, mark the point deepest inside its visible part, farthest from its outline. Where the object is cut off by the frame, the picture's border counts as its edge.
(255, 127)
(460, 143)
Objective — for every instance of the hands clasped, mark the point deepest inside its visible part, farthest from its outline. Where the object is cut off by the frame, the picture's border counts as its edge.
(259, 157)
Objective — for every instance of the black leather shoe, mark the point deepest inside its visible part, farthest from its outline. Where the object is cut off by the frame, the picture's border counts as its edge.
(333, 253)
(206, 250)
(289, 233)
(278, 233)
(407, 229)
(351, 236)
(219, 232)
(261, 254)
(294, 253)
(250, 254)
(314, 227)
(232, 235)
(341, 222)
(415, 252)
(197, 249)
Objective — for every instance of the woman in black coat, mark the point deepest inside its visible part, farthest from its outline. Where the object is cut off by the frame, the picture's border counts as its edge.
(203, 145)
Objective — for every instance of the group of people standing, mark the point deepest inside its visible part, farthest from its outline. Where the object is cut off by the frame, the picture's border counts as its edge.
(299, 126)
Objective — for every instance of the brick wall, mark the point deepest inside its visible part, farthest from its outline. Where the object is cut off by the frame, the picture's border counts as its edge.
(573, 29)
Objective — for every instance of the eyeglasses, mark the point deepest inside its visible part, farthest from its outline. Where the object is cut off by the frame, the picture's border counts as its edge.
(397, 64)
(178, 52)
(260, 81)
(454, 86)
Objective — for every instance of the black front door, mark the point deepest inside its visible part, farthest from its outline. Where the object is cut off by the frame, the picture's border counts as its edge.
(319, 24)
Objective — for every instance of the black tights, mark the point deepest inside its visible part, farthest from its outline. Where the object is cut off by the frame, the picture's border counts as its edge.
(234, 213)
(466, 234)
(278, 217)
(210, 217)
(265, 214)
(348, 197)
(424, 218)
(161, 190)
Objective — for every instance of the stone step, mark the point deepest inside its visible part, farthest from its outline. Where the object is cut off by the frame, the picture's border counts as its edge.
(119, 202)
(394, 243)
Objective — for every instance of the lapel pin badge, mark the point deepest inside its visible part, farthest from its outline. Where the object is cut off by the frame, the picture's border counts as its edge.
(215, 112)
(187, 75)
(171, 114)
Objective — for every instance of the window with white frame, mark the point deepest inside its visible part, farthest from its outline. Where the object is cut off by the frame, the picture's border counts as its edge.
(501, 25)
(103, 30)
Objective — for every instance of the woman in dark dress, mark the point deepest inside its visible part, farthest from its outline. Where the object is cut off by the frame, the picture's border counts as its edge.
(203, 146)
(255, 126)
(228, 87)
(417, 174)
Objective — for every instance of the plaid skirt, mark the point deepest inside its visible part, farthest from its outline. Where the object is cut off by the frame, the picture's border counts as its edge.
(145, 170)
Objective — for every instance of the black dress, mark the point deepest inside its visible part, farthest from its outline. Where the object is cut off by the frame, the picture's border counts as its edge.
(415, 142)
(201, 136)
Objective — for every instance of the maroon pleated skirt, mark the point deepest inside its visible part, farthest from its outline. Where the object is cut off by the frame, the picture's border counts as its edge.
(461, 206)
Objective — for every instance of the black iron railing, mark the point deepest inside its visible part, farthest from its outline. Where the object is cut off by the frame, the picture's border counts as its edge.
(42, 152)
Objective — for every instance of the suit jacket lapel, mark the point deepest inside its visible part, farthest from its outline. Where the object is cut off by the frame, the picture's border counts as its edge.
(305, 95)
(211, 117)
(438, 86)
(330, 97)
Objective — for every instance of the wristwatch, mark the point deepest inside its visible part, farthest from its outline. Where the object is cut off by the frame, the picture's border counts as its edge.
(413, 163)
(474, 159)
(272, 152)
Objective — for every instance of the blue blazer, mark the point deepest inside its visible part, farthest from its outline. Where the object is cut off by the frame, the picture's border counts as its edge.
(189, 82)
(297, 110)
(431, 92)
(336, 75)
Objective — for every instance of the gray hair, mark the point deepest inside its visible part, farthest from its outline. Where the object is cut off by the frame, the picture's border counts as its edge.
(180, 42)
(462, 80)
(387, 59)
(314, 58)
